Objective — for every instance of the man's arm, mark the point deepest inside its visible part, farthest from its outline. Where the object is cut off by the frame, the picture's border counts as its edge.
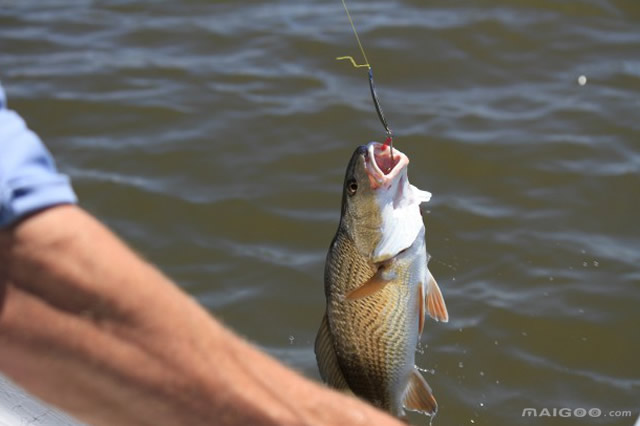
(87, 325)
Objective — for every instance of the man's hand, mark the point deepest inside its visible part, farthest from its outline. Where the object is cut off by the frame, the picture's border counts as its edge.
(88, 326)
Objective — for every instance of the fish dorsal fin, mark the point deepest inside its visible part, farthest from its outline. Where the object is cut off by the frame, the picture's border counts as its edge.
(327, 359)
(418, 396)
(436, 307)
(382, 277)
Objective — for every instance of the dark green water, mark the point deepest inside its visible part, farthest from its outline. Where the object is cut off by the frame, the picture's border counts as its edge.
(213, 137)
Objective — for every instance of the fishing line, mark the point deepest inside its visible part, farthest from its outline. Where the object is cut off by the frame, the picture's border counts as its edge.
(353, 27)
(372, 86)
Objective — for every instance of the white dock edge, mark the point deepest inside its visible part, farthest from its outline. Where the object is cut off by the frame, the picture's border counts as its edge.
(18, 408)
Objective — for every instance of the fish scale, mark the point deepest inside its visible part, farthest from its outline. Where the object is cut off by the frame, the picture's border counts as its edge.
(366, 341)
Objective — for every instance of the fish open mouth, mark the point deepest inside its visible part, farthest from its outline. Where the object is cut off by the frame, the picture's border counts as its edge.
(382, 165)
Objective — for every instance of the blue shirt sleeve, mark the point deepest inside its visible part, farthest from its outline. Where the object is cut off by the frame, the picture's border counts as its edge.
(29, 180)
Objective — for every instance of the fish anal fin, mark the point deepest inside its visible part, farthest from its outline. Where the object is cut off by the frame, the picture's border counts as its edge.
(373, 285)
(418, 395)
(421, 309)
(327, 360)
(436, 307)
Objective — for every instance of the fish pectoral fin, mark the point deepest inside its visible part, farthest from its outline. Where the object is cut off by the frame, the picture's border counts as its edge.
(327, 360)
(376, 283)
(435, 302)
(418, 395)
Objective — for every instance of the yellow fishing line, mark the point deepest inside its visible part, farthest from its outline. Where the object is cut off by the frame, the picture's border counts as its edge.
(353, 62)
(353, 27)
(374, 96)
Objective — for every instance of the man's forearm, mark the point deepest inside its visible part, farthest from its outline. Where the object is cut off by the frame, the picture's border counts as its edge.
(132, 348)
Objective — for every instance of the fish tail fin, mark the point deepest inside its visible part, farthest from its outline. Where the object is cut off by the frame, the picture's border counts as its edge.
(418, 395)
(326, 357)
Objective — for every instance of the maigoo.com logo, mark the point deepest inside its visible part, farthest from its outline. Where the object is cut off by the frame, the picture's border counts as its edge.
(573, 412)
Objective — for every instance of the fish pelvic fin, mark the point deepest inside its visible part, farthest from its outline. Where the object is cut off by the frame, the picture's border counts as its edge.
(376, 283)
(418, 395)
(436, 307)
(327, 359)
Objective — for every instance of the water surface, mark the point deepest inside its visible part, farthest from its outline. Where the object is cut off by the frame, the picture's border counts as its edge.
(213, 137)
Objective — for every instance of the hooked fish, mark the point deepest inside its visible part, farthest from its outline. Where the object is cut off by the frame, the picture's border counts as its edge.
(378, 287)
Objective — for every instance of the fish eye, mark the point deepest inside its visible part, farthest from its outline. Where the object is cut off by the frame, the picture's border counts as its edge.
(352, 186)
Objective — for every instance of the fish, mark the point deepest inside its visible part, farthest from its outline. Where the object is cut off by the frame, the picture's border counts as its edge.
(378, 287)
